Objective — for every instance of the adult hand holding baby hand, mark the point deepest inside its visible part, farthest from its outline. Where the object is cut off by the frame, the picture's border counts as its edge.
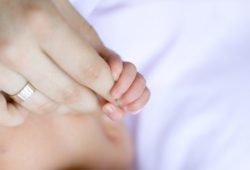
(130, 89)
(40, 45)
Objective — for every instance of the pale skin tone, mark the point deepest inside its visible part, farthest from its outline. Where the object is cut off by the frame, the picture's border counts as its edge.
(60, 129)
(48, 44)
(52, 142)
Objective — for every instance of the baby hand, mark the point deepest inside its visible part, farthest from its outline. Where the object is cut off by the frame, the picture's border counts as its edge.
(129, 90)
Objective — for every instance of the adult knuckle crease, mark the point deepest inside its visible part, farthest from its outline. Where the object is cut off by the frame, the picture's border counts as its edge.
(39, 21)
(9, 55)
(71, 95)
(89, 74)
(47, 107)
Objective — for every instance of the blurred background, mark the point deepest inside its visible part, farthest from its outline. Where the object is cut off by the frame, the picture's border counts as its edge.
(195, 56)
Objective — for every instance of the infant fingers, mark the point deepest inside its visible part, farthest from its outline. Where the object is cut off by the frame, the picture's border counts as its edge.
(134, 92)
(139, 103)
(125, 80)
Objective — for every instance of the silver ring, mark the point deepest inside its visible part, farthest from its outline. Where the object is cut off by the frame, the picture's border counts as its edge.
(25, 93)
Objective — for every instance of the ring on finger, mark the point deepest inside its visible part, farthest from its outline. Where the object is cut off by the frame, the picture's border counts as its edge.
(25, 93)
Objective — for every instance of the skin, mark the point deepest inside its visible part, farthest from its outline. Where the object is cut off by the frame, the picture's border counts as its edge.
(58, 142)
(129, 89)
(50, 35)
(58, 129)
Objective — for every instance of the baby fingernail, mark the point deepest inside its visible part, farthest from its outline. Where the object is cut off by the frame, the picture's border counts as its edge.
(116, 94)
(118, 102)
(110, 111)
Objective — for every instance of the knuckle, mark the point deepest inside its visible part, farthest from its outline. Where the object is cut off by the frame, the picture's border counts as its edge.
(118, 64)
(34, 14)
(112, 55)
(141, 79)
(38, 19)
(140, 103)
(88, 74)
(114, 61)
(9, 54)
(130, 66)
(47, 107)
(130, 70)
(4, 42)
(70, 95)
(115, 64)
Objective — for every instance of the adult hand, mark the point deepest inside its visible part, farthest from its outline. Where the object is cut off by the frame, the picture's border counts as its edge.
(38, 45)
(130, 89)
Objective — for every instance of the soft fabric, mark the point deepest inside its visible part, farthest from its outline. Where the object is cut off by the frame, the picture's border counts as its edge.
(195, 56)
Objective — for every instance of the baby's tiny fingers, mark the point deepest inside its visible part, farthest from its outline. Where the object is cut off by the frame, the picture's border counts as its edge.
(134, 92)
(139, 103)
(126, 79)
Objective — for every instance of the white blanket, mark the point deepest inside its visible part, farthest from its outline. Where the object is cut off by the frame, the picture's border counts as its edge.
(196, 58)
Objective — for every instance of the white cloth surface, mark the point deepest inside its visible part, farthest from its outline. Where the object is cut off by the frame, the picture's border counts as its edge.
(85, 6)
(195, 56)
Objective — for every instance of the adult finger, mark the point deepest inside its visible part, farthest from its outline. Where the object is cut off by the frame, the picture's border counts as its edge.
(12, 83)
(10, 115)
(42, 73)
(114, 61)
(77, 58)
(78, 23)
